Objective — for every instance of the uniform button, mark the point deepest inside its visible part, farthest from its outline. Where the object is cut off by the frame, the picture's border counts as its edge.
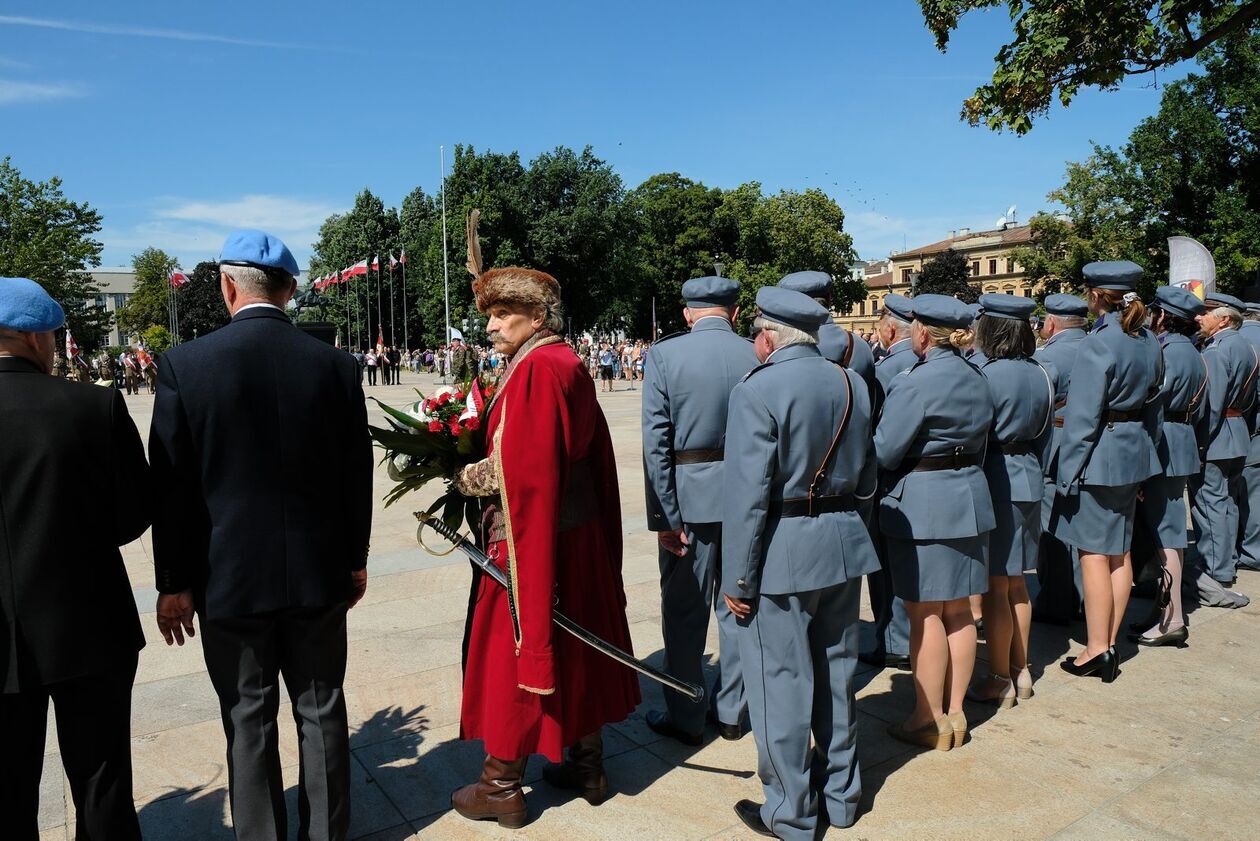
(741, 583)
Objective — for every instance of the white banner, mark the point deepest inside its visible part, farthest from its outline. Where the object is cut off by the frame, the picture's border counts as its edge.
(1191, 266)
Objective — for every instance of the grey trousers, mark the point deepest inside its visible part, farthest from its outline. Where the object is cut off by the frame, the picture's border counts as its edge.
(1060, 590)
(245, 657)
(892, 623)
(1214, 514)
(1249, 518)
(799, 652)
(689, 592)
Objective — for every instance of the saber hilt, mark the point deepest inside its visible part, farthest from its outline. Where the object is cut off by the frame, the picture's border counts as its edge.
(690, 690)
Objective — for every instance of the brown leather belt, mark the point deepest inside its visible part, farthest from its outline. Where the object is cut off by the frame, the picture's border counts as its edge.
(956, 461)
(1177, 417)
(1233, 413)
(699, 456)
(1116, 416)
(802, 507)
(1058, 422)
(1017, 448)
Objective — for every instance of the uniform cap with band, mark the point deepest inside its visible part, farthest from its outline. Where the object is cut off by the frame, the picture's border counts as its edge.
(941, 311)
(813, 284)
(1063, 304)
(1180, 302)
(1118, 275)
(1012, 307)
(701, 292)
(794, 309)
(898, 306)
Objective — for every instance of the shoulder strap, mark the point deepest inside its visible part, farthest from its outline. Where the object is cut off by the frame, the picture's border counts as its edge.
(1251, 378)
(1198, 395)
(1050, 388)
(821, 473)
(848, 351)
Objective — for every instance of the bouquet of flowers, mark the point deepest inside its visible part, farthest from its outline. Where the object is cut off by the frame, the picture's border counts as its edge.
(433, 438)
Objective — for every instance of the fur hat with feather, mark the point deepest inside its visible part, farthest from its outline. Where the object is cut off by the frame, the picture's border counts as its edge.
(512, 284)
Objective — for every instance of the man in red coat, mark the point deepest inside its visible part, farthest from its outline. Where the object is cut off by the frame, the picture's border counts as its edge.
(553, 523)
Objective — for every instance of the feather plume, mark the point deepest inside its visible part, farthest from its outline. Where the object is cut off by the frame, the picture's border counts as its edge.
(474, 245)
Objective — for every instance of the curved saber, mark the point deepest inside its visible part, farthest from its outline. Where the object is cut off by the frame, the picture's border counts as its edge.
(690, 690)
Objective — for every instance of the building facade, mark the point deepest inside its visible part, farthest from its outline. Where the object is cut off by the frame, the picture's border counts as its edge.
(116, 285)
(988, 253)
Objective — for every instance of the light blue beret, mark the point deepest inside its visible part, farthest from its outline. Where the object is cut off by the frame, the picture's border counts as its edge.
(710, 291)
(898, 306)
(1012, 307)
(258, 249)
(794, 309)
(25, 306)
(1064, 304)
(941, 311)
(813, 284)
(1180, 302)
(1121, 275)
(1221, 299)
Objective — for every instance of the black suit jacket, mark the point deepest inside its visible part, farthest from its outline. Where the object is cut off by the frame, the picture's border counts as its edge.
(73, 488)
(260, 448)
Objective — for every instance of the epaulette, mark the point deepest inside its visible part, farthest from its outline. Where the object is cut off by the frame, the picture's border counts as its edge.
(673, 336)
(755, 370)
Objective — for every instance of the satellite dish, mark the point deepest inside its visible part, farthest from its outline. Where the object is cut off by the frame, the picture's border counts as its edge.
(1010, 213)
(1000, 223)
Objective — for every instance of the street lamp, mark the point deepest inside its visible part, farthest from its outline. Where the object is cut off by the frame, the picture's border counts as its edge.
(718, 265)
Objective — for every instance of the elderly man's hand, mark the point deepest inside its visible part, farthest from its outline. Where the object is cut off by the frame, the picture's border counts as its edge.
(675, 541)
(742, 608)
(175, 616)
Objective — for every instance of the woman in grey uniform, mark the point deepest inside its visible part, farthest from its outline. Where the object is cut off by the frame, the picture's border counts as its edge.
(936, 513)
(1019, 447)
(1107, 450)
(1182, 403)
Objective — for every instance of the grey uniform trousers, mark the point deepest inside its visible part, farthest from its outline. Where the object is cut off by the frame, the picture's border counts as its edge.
(892, 623)
(689, 592)
(1214, 513)
(245, 657)
(799, 653)
(1060, 590)
(1249, 517)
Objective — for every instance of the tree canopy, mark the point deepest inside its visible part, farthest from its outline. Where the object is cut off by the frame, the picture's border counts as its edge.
(1061, 46)
(947, 274)
(148, 305)
(200, 301)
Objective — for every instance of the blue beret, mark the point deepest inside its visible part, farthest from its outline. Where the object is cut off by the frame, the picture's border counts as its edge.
(710, 292)
(791, 308)
(941, 311)
(25, 306)
(1221, 299)
(898, 306)
(1179, 301)
(1063, 304)
(1012, 307)
(1120, 275)
(813, 284)
(258, 249)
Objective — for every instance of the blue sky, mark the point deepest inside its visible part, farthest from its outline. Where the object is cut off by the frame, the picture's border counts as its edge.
(180, 121)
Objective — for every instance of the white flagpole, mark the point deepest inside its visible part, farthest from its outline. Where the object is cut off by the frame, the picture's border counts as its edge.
(406, 341)
(446, 269)
(380, 321)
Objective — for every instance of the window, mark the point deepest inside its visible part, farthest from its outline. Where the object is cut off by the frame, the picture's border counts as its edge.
(905, 275)
(1010, 266)
(1010, 291)
(975, 268)
(100, 302)
(861, 307)
(119, 301)
(993, 266)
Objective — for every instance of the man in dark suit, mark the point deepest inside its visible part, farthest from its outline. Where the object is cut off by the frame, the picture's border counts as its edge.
(69, 630)
(255, 427)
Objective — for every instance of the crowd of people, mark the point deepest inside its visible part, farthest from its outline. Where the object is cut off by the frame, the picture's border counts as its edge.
(780, 470)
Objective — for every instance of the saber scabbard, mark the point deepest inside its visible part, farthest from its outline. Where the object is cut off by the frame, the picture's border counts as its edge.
(690, 690)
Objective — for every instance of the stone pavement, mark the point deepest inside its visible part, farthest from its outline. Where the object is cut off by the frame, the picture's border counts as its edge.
(1171, 750)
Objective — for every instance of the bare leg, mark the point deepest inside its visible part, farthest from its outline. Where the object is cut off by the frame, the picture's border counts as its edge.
(1099, 605)
(1021, 610)
(998, 626)
(960, 630)
(977, 608)
(1121, 588)
(929, 660)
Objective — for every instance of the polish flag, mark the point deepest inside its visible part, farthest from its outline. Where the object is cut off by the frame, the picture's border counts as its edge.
(402, 256)
(376, 263)
(392, 262)
(178, 279)
(358, 269)
(72, 349)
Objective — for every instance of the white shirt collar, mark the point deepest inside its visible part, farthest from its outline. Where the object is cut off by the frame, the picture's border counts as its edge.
(253, 306)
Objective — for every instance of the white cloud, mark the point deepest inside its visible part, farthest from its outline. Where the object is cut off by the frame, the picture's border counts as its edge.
(141, 32)
(13, 64)
(277, 214)
(12, 92)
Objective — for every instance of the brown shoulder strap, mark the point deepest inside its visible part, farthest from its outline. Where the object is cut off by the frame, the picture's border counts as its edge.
(848, 351)
(821, 473)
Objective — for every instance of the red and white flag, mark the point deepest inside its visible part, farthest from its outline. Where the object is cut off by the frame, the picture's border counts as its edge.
(376, 263)
(358, 269)
(337, 341)
(402, 256)
(72, 349)
(392, 262)
(380, 341)
(178, 279)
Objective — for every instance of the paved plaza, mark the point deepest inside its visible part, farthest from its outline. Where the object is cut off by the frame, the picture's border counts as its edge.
(1171, 750)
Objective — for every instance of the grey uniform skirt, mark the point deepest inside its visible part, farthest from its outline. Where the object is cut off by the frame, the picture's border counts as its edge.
(938, 570)
(1163, 510)
(1013, 543)
(1098, 520)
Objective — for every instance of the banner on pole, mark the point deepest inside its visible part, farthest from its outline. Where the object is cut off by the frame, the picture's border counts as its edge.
(1190, 266)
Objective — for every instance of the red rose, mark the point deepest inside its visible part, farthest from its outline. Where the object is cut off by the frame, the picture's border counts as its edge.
(435, 426)
(444, 398)
(455, 427)
(472, 423)
(459, 395)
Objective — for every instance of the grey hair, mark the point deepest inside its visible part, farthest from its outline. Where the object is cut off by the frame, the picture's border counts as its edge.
(900, 329)
(1251, 315)
(256, 282)
(1068, 321)
(1234, 316)
(784, 336)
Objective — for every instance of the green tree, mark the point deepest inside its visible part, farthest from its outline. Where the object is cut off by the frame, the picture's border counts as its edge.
(1060, 46)
(157, 338)
(200, 300)
(368, 230)
(48, 238)
(149, 304)
(947, 274)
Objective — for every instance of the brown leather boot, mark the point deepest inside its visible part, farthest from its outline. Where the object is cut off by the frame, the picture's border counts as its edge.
(496, 796)
(583, 771)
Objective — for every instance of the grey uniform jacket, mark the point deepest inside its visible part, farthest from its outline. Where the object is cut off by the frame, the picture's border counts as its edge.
(1183, 390)
(1231, 388)
(1023, 417)
(687, 382)
(939, 407)
(1251, 331)
(1114, 372)
(833, 344)
(900, 358)
(1060, 352)
(783, 418)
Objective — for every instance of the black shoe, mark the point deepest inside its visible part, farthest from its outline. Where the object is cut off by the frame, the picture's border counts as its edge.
(885, 661)
(980, 629)
(729, 732)
(750, 813)
(1177, 638)
(1103, 665)
(661, 725)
